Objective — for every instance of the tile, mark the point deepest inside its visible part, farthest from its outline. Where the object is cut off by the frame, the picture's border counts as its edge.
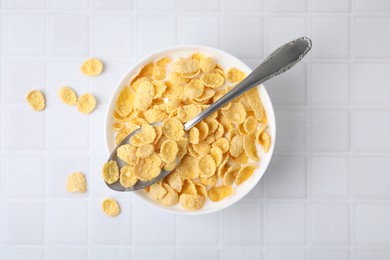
(242, 253)
(113, 5)
(194, 253)
(60, 166)
(201, 5)
(113, 35)
(17, 253)
(64, 29)
(329, 177)
(330, 84)
(328, 32)
(149, 230)
(22, 28)
(63, 137)
(330, 254)
(189, 33)
(286, 254)
(28, 177)
(65, 72)
(98, 129)
(371, 84)
(64, 226)
(286, 223)
(59, 5)
(293, 140)
(104, 85)
(289, 89)
(16, 137)
(379, 139)
(243, 43)
(110, 253)
(372, 6)
(65, 253)
(157, 5)
(330, 130)
(286, 177)
(155, 27)
(16, 86)
(330, 6)
(152, 252)
(372, 37)
(18, 228)
(26, 5)
(189, 226)
(330, 223)
(294, 6)
(372, 178)
(244, 6)
(236, 231)
(111, 231)
(293, 27)
(372, 224)
(371, 254)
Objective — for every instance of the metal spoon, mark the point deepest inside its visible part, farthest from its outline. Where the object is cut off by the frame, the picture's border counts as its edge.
(276, 63)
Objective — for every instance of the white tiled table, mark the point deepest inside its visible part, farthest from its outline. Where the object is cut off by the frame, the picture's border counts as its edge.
(326, 194)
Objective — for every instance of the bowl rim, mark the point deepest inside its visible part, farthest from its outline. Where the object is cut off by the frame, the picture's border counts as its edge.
(148, 58)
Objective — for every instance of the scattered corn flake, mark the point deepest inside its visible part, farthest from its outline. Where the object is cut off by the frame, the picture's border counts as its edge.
(111, 207)
(191, 201)
(86, 103)
(236, 113)
(173, 128)
(169, 151)
(36, 100)
(92, 67)
(234, 75)
(250, 146)
(110, 172)
(219, 193)
(245, 173)
(67, 95)
(212, 80)
(206, 166)
(76, 182)
(127, 177)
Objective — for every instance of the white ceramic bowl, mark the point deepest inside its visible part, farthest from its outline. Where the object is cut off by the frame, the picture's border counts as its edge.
(227, 61)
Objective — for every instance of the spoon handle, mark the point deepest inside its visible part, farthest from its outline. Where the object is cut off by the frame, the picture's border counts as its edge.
(276, 63)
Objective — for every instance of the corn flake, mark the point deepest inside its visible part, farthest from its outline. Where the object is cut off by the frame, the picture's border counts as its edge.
(169, 151)
(127, 178)
(67, 95)
(194, 89)
(92, 67)
(206, 166)
(173, 128)
(212, 80)
(234, 75)
(36, 100)
(245, 173)
(191, 201)
(111, 207)
(125, 101)
(207, 64)
(86, 103)
(110, 172)
(144, 96)
(76, 182)
(236, 113)
(250, 146)
(219, 193)
(145, 151)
